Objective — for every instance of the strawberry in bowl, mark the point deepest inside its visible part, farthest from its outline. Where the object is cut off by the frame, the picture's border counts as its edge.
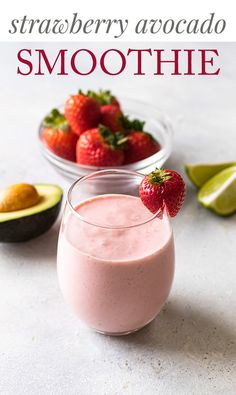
(145, 134)
(57, 135)
(101, 148)
(82, 112)
(140, 145)
(111, 117)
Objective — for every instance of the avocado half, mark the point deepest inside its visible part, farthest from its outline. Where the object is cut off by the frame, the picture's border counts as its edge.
(23, 225)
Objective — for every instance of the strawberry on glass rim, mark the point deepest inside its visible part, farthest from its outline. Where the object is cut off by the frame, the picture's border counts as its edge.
(163, 189)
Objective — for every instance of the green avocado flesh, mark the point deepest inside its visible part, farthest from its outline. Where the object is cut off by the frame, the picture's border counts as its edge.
(22, 225)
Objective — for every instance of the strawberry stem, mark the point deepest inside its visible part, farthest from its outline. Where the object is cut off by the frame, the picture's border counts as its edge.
(158, 176)
(103, 97)
(56, 120)
(114, 140)
(135, 124)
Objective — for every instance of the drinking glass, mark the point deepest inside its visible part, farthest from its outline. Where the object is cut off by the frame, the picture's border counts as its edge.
(115, 259)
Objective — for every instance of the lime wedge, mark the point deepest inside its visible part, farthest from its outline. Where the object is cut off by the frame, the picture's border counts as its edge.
(200, 173)
(219, 193)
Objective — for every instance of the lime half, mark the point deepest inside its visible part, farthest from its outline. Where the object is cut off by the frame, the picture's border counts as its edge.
(219, 193)
(200, 173)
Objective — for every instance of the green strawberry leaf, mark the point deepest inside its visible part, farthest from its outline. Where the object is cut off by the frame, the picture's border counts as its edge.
(56, 120)
(116, 140)
(158, 176)
(103, 97)
(135, 124)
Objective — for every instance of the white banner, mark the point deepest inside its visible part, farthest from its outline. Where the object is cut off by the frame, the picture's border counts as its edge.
(104, 20)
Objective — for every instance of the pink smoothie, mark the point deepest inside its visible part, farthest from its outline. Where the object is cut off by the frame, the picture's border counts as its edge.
(118, 279)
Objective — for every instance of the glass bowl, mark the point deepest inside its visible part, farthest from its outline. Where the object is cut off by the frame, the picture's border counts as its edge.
(155, 122)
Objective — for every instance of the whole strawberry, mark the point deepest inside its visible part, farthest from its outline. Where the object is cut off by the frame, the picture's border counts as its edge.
(82, 113)
(111, 117)
(163, 188)
(58, 136)
(100, 147)
(140, 145)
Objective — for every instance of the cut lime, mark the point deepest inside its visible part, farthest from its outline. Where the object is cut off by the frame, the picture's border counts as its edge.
(200, 173)
(219, 193)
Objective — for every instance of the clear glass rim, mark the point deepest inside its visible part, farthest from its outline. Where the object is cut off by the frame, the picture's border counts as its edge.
(111, 172)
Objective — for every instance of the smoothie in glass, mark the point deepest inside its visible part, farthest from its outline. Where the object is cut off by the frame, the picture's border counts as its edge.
(115, 261)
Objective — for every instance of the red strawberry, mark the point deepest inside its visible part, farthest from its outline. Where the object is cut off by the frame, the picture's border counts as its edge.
(103, 97)
(58, 136)
(112, 117)
(82, 113)
(163, 188)
(100, 147)
(140, 145)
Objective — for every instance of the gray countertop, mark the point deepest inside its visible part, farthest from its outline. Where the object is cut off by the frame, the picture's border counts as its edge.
(190, 347)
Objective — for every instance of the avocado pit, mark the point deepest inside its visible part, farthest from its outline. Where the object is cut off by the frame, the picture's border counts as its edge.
(18, 197)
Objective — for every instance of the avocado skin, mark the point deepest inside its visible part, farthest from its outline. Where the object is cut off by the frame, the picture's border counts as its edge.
(29, 227)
